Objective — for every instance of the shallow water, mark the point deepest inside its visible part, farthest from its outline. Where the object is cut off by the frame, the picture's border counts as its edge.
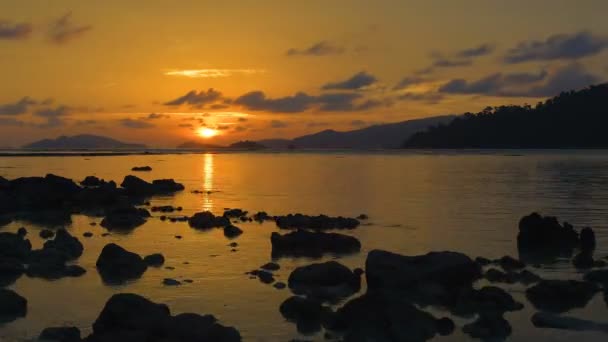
(417, 202)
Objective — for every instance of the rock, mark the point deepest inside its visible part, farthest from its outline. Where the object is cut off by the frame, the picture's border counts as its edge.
(122, 319)
(22, 232)
(60, 334)
(320, 222)
(380, 317)
(206, 220)
(141, 168)
(233, 244)
(524, 277)
(231, 231)
(488, 327)
(235, 213)
(74, 271)
(117, 265)
(12, 306)
(50, 263)
(312, 244)
(549, 320)
(165, 209)
(87, 234)
(561, 295)
(265, 277)
(279, 285)
(362, 217)
(154, 260)
(433, 278)
(65, 243)
(598, 276)
(10, 270)
(138, 187)
(583, 260)
(171, 282)
(481, 261)
(544, 236)
(125, 218)
(46, 234)
(445, 326)
(92, 181)
(262, 216)
(306, 313)
(587, 239)
(510, 264)
(271, 266)
(14, 246)
(326, 281)
(487, 300)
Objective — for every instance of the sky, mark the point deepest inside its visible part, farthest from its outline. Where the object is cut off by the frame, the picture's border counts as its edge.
(165, 72)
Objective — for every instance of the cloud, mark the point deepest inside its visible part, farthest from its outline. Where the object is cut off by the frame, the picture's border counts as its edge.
(242, 119)
(452, 63)
(560, 46)
(278, 124)
(16, 31)
(53, 116)
(63, 29)
(17, 108)
(155, 116)
(239, 128)
(543, 84)
(199, 100)
(478, 51)
(409, 81)
(135, 123)
(186, 125)
(301, 102)
(317, 124)
(322, 48)
(11, 122)
(338, 102)
(86, 122)
(356, 82)
(427, 97)
(213, 73)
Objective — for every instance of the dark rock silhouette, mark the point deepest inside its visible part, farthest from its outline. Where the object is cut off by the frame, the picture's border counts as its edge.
(139, 187)
(92, 181)
(541, 238)
(60, 334)
(561, 295)
(154, 260)
(549, 320)
(10, 270)
(487, 300)
(65, 243)
(128, 317)
(125, 218)
(575, 119)
(320, 222)
(587, 239)
(142, 168)
(525, 277)
(12, 306)
(312, 244)
(308, 314)
(117, 265)
(325, 281)
(206, 220)
(231, 231)
(488, 327)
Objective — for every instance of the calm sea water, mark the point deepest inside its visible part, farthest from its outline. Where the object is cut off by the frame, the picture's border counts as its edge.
(417, 202)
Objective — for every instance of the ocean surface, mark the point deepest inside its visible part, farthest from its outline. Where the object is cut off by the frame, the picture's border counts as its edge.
(417, 201)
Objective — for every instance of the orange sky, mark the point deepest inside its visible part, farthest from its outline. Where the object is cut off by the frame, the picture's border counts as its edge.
(156, 72)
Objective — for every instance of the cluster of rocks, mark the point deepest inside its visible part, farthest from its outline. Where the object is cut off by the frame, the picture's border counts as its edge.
(165, 209)
(130, 317)
(265, 274)
(117, 265)
(312, 244)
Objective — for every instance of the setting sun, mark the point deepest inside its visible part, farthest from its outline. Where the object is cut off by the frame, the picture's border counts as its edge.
(207, 132)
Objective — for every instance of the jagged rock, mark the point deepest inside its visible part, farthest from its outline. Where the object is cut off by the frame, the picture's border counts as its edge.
(125, 218)
(123, 319)
(14, 246)
(92, 181)
(234, 213)
(312, 244)
(46, 234)
(545, 237)
(231, 231)
(60, 334)
(488, 326)
(206, 220)
(326, 281)
(306, 313)
(320, 222)
(12, 306)
(509, 263)
(154, 260)
(489, 299)
(587, 237)
(117, 265)
(65, 243)
(561, 295)
(433, 278)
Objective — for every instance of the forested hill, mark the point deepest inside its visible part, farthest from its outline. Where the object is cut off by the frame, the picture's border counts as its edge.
(575, 119)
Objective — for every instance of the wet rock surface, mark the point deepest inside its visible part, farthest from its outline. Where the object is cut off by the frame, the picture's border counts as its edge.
(206, 220)
(561, 295)
(117, 265)
(122, 320)
(312, 244)
(325, 281)
(154, 260)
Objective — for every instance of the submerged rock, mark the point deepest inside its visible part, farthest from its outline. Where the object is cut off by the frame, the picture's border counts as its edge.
(116, 265)
(125, 218)
(326, 281)
(231, 231)
(234, 213)
(171, 282)
(206, 220)
(154, 260)
(488, 326)
(312, 244)
(561, 295)
(489, 299)
(271, 266)
(308, 314)
(12, 306)
(129, 317)
(320, 222)
(60, 334)
(262, 216)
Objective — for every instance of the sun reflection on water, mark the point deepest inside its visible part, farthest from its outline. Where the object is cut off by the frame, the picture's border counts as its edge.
(208, 182)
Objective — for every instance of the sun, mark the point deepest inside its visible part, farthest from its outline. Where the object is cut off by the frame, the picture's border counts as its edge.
(207, 132)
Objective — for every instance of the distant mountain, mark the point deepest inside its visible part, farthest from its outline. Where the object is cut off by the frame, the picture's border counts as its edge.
(81, 142)
(196, 145)
(575, 119)
(390, 135)
(247, 145)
